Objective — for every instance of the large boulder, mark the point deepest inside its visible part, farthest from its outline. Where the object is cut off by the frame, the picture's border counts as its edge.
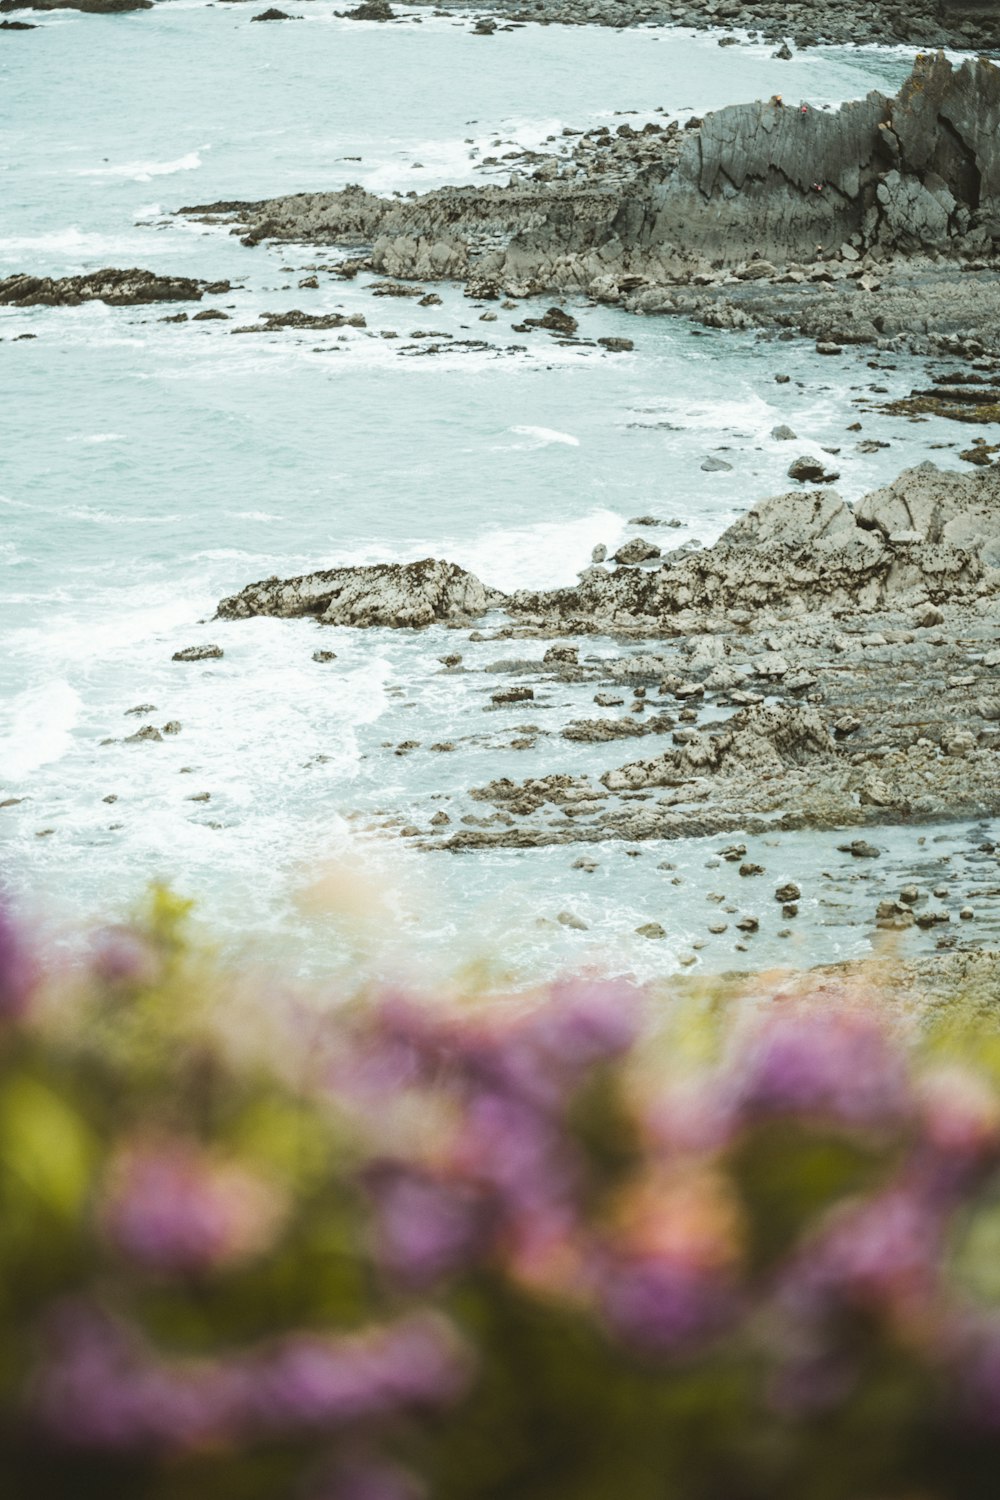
(393, 594)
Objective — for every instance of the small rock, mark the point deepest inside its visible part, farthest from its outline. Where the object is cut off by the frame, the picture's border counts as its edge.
(568, 919)
(713, 465)
(324, 656)
(787, 892)
(749, 868)
(567, 655)
(808, 470)
(893, 915)
(651, 930)
(198, 653)
(860, 849)
(783, 434)
(638, 550)
(513, 695)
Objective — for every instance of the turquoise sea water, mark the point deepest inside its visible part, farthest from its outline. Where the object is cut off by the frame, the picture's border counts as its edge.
(148, 468)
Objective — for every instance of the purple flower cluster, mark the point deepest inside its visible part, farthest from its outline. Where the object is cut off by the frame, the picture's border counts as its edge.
(508, 1178)
(173, 1208)
(101, 1387)
(836, 1065)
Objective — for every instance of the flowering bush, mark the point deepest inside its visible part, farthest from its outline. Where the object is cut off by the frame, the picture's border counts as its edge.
(565, 1250)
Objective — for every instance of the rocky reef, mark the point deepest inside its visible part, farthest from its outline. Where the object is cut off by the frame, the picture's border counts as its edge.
(116, 287)
(752, 183)
(819, 666)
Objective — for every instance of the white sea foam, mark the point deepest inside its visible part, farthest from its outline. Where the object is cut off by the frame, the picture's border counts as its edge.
(41, 720)
(544, 555)
(72, 241)
(145, 171)
(544, 435)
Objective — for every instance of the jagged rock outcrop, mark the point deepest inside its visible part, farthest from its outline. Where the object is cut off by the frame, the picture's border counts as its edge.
(920, 171)
(929, 537)
(117, 288)
(393, 594)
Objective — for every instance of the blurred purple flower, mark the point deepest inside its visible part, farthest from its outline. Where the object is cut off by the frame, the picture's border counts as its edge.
(661, 1306)
(18, 967)
(884, 1254)
(317, 1381)
(426, 1228)
(543, 1056)
(172, 1208)
(100, 1388)
(836, 1066)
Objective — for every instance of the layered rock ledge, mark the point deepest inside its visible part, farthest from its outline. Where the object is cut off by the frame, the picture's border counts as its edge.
(757, 197)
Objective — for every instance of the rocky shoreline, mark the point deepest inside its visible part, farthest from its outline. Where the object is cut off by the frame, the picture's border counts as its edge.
(780, 21)
(821, 666)
(858, 225)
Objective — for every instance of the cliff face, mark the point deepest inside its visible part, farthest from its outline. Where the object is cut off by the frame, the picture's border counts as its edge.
(759, 181)
(921, 171)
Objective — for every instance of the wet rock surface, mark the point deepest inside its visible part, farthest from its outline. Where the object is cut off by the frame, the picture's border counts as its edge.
(117, 288)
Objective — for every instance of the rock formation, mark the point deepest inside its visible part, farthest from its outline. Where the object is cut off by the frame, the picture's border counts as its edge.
(394, 594)
(755, 184)
(117, 288)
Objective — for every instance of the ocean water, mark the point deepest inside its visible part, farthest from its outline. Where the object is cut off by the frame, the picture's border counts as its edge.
(148, 468)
